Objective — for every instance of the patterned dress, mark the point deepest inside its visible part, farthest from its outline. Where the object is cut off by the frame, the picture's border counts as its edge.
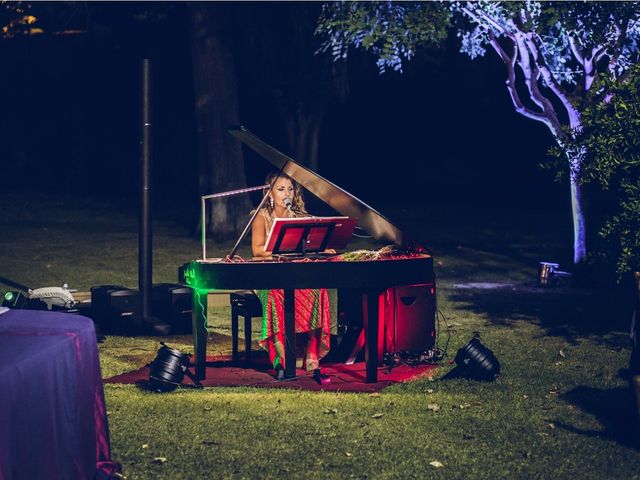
(312, 315)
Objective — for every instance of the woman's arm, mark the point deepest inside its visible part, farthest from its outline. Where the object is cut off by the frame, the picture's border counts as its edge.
(259, 237)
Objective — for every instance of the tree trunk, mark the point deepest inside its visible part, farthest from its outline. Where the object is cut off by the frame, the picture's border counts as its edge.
(634, 361)
(579, 241)
(303, 135)
(220, 160)
(575, 166)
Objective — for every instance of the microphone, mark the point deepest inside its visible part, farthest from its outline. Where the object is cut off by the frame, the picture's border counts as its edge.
(288, 204)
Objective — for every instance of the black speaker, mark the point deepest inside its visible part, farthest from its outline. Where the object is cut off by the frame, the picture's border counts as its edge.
(116, 309)
(100, 302)
(410, 318)
(173, 304)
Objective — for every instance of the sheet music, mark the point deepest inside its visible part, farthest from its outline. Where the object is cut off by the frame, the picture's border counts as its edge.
(316, 225)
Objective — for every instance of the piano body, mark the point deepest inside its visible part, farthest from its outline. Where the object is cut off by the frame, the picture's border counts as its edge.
(368, 278)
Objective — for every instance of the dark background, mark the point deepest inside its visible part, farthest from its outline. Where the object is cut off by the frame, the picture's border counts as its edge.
(444, 131)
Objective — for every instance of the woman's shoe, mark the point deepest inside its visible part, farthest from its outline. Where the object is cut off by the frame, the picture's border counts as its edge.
(279, 372)
(320, 377)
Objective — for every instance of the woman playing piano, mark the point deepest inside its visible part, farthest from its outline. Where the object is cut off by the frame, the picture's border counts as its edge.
(312, 309)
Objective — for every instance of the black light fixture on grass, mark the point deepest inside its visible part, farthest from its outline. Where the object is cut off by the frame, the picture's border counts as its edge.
(169, 368)
(18, 300)
(477, 362)
(14, 299)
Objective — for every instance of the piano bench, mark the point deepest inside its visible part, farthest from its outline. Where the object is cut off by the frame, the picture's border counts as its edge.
(244, 304)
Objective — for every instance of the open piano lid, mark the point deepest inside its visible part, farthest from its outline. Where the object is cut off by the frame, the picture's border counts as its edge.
(371, 221)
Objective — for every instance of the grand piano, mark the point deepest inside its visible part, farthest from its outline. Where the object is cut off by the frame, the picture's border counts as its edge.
(368, 278)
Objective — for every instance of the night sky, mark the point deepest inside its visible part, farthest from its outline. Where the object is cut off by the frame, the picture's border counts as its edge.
(440, 132)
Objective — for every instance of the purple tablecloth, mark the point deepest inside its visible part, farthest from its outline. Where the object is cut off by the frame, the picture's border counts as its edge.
(53, 421)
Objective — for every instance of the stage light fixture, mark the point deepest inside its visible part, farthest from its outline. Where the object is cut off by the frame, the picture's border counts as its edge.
(14, 299)
(476, 361)
(169, 368)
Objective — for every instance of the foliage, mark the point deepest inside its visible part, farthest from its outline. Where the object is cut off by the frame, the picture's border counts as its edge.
(553, 43)
(610, 144)
(567, 33)
(392, 31)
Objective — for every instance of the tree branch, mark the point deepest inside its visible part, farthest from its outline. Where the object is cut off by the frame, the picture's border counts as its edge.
(621, 34)
(532, 43)
(525, 66)
(590, 72)
(599, 52)
(576, 51)
(481, 18)
(511, 84)
(531, 76)
(498, 48)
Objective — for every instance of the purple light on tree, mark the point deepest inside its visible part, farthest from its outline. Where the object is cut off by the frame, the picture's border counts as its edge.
(554, 53)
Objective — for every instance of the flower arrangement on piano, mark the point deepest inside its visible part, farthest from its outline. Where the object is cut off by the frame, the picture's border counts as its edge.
(388, 252)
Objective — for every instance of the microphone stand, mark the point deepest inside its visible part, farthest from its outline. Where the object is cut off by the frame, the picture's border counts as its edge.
(246, 229)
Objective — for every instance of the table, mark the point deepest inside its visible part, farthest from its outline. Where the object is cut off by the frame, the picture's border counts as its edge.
(53, 421)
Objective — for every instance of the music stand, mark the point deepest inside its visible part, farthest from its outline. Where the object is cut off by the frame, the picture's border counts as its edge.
(309, 235)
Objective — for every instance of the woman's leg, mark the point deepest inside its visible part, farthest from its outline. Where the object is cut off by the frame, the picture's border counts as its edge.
(275, 347)
(314, 352)
(316, 320)
(312, 315)
(272, 335)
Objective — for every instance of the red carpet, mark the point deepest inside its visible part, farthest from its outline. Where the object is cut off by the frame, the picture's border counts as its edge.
(344, 378)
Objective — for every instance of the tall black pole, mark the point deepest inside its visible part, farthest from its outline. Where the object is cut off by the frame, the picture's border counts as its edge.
(145, 273)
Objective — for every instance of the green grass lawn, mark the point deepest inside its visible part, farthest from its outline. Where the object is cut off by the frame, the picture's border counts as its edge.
(560, 408)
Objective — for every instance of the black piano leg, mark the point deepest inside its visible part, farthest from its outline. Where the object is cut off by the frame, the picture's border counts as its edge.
(198, 322)
(371, 329)
(289, 334)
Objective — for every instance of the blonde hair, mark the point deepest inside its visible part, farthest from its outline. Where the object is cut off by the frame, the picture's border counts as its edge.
(297, 202)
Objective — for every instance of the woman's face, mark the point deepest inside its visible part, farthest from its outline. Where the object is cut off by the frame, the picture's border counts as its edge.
(281, 189)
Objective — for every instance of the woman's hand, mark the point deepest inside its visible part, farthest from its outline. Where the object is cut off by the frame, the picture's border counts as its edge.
(330, 251)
